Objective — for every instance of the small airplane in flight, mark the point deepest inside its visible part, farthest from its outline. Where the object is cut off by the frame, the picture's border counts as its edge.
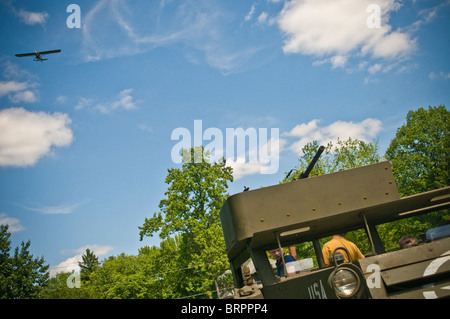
(38, 55)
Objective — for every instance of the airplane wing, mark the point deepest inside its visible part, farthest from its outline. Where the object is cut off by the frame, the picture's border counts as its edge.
(40, 53)
(25, 54)
(49, 52)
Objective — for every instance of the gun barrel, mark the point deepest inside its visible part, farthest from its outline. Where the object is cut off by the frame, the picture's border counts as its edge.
(308, 170)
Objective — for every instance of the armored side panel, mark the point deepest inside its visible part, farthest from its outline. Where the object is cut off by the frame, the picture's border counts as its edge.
(314, 208)
(304, 206)
(413, 273)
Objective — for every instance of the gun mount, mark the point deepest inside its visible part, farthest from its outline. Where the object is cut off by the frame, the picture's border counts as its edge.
(311, 165)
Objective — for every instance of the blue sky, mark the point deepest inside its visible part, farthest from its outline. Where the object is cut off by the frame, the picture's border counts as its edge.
(86, 137)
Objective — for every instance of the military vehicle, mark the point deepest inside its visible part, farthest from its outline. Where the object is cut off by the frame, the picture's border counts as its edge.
(307, 210)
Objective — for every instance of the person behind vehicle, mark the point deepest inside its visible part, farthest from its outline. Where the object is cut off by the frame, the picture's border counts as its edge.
(339, 240)
(276, 253)
(408, 241)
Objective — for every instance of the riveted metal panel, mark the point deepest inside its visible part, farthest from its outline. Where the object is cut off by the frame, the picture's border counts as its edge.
(416, 272)
(304, 203)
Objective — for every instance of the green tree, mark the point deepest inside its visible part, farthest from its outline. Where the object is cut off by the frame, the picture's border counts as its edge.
(420, 151)
(88, 264)
(346, 154)
(195, 196)
(166, 267)
(153, 274)
(120, 277)
(6, 266)
(21, 275)
(57, 288)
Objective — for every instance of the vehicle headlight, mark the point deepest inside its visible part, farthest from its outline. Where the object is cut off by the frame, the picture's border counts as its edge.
(346, 283)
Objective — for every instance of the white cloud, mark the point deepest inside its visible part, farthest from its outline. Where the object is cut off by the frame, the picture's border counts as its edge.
(84, 103)
(27, 136)
(249, 15)
(392, 45)
(61, 99)
(374, 68)
(98, 250)
(31, 18)
(308, 132)
(13, 223)
(18, 91)
(362, 130)
(11, 86)
(338, 28)
(20, 85)
(262, 18)
(338, 61)
(28, 17)
(427, 15)
(24, 96)
(267, 155)
(124, 101)
(145, 128)
(200, 27)
(57, 210)
(242, 168)
(439, 75)
(304, 129)
(71, 264)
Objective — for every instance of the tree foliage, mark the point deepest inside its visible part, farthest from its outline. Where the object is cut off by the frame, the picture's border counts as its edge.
(88, 265)
(420, 151)
(195, 196)
(120, 278)
(21, 275)
(346, 154)
(57, 288)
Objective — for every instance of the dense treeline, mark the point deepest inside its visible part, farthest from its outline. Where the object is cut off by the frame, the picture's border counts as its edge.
(192, 250)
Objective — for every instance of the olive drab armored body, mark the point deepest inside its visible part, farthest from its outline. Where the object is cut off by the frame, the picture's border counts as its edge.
(305, 211)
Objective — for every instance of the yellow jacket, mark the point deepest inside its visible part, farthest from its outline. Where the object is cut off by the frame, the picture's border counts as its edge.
(334, 243)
